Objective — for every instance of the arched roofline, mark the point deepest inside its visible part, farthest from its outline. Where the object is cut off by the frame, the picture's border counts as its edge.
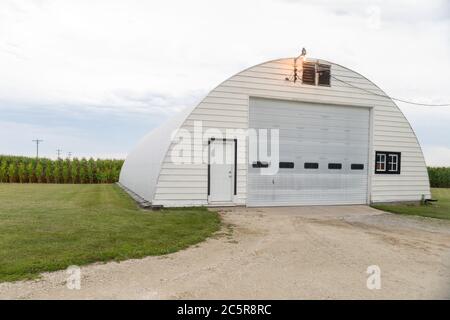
(181, 118)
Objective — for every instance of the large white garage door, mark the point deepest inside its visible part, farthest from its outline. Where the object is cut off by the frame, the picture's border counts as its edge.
(323, 154)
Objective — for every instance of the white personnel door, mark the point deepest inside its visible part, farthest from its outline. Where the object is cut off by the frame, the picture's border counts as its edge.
(222, 166)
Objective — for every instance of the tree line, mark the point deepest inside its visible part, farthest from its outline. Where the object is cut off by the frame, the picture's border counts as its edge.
(15, 169)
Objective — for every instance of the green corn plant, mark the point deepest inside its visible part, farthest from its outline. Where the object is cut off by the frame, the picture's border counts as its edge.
(74, 168)
(57, 172)
(30, 172)
(91, 171)
(39, 172)
(91, 175)
(83, 171)
(3, 170)
(66, 171)
(22, 173)
(12, 172)
(49, 172)
(99, 172)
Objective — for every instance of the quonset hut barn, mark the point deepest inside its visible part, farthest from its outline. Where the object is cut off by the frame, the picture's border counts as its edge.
(339, 140)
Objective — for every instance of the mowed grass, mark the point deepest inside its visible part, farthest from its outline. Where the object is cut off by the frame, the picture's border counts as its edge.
(439, 209)
(50, 227)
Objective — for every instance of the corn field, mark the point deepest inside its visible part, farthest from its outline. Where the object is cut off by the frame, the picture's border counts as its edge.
(14, 169)
(439, 177)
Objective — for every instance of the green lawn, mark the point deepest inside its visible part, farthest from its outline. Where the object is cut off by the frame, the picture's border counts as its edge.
(49, 227)
(439, 209)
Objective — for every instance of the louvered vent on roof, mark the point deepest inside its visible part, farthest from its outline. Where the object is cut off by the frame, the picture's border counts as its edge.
(309, 73)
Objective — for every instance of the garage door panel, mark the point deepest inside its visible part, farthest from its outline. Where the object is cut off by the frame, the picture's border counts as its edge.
(312, 133)
(322, 149)
(331, 125)
(297, 120)
(324, 114)
(266, 107)
(318, 136)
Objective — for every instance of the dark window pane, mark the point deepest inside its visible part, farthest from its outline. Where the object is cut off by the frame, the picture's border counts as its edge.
(323, 71)
(311, 165)
(259, 164)
(357, 166)
(334, 166)
(286, 165)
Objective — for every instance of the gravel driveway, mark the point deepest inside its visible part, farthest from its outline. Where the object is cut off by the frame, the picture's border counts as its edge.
(293, 253)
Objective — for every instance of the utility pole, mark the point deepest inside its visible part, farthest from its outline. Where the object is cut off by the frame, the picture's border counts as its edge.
(37, 146)
(69, 154)
(58, 151)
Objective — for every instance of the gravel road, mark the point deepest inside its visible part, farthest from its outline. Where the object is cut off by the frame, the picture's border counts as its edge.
(276, 253)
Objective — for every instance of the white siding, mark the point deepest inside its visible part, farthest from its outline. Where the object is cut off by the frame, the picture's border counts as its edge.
(141, 169)
(227, 107)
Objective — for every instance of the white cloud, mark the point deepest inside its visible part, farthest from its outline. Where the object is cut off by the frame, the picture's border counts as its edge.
(155, 57)
(437, 156)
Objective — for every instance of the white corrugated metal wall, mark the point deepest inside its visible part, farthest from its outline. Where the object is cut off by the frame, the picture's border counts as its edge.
(227, 106)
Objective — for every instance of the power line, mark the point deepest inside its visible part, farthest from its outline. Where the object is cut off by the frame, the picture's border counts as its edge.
(37, 146)
(389, 97)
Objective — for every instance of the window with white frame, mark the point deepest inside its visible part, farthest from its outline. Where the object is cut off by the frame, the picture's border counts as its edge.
(380, 165)
(392, 162)
(387, 162)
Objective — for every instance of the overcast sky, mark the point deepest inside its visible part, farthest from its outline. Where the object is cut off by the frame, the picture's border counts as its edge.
(92, 77)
